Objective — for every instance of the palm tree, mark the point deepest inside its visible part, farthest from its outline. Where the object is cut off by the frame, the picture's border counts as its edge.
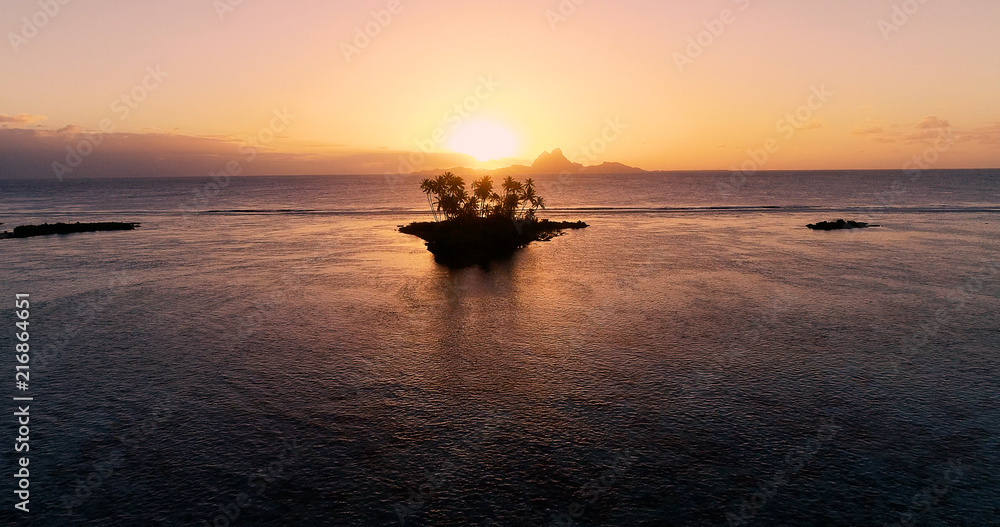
(449, 190)
(527, 196)
(495, 209)
(536, 204)
(432, 186)
(511, 196)
(482, 189)
(450, 197)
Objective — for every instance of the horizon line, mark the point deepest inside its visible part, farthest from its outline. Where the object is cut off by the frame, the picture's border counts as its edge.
(645, 172)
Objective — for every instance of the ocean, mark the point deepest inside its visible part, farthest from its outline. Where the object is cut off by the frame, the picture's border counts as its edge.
(271, 351)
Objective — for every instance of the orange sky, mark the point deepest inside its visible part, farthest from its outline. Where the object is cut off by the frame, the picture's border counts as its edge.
(181, 87)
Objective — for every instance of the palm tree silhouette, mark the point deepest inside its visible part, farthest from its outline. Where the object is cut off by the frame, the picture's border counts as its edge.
(528, 196)
(517, 201)
(449, 190)
(482, 189)
(431, 186)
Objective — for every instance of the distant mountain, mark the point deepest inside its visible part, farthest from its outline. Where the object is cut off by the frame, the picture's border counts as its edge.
(553, 162)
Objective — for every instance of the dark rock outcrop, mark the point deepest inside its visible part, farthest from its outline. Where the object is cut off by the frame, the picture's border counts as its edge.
(839, 225)
(46, 229)
(463, 242)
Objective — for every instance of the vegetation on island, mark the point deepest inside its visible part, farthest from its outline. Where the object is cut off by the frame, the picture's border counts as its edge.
(512, 201)
(484, 224)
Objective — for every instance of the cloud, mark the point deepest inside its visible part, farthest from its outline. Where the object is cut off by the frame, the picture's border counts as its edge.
(813, 125)
(930, 129)
(70, 129)
(927, 135)
(932, 123)
(927, 130)
(988, 135)
(31, 153)
(868, 130)
(21, 118)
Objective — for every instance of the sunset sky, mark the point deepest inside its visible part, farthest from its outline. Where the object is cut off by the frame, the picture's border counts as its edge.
(604, 81)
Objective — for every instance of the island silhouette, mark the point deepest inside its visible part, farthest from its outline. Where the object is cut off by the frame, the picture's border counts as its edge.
(839, 225)
(483, 225)
(547, 163)
(45, 229)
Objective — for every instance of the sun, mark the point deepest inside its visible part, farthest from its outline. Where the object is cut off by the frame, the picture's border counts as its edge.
(484, 140)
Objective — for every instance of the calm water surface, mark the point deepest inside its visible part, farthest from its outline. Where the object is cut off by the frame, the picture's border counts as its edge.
(273, 350)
